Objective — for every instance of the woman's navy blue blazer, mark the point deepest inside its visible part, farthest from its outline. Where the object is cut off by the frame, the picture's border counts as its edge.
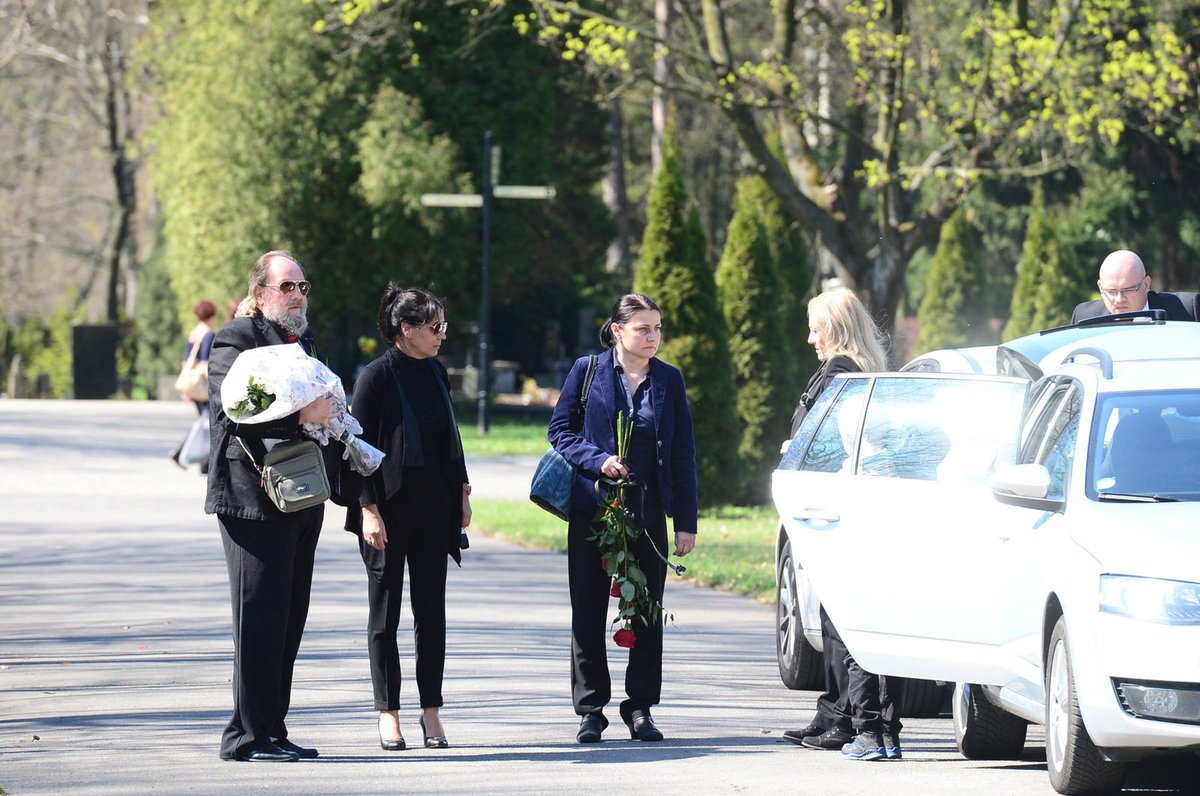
(587, 443)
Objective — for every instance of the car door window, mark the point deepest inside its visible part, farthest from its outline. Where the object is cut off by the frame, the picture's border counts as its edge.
(1051, 434)
(836, 437)
(935, 429)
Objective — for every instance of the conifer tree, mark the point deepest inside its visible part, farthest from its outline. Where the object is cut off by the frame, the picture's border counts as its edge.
(1029, 270)
(953, 312)
(1048, 283)
(749, 290)
(674, 271)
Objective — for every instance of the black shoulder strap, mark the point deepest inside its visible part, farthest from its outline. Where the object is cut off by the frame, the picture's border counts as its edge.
(588, 378)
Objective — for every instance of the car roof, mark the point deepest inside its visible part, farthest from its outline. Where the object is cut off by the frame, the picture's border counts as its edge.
(1036, 354)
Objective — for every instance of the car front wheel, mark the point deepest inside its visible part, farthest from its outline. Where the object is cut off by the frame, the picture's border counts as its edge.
(984, 731)
(800, 666)
(1074, 763)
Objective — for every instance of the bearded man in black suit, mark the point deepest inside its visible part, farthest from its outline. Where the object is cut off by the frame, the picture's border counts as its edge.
(269, 554)
(1125, 287)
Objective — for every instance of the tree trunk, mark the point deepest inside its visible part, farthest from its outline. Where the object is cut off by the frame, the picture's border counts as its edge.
(616, 198)
(119, 243)
(662, 73)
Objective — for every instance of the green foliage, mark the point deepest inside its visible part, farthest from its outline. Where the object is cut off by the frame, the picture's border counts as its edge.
(275, 136)
(789, 254)
(159, 332)
(50, 345)
(674, 271)
(1049, 283)
(748, 288)
(255, 150)
(953, 312)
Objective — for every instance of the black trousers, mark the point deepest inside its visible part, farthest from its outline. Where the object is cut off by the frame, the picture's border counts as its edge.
(415, 526)
(591, 686)
(270, 576)
(874, 700)
(833, 706)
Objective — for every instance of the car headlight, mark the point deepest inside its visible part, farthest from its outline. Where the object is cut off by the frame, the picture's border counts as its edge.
(1167, 602)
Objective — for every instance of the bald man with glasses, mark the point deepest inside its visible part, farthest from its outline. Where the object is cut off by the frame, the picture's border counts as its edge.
(1125, 287)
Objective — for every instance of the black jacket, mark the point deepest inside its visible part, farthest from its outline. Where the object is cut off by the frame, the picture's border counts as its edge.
(379, 407)
(1179, 307)
(233, 482)
(817, 384)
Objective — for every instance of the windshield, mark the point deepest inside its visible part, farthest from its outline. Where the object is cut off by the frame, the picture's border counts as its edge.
(1146, 444)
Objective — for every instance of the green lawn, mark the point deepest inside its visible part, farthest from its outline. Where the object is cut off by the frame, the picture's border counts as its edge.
(515, 434)
(734, 549)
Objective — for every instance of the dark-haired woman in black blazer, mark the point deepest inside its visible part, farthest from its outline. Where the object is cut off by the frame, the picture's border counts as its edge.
(414, 507)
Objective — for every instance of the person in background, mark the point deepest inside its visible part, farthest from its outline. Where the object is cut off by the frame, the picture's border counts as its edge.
(1125, 287)
(413, 508)
(200, 339)
(269, 554)
(846, 340)
(662, 453)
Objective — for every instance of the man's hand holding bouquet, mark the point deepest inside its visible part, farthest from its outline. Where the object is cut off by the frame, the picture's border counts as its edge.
(270, 382)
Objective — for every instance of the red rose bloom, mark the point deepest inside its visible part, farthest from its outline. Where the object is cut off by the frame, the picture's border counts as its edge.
(625, 638)
(615, 591)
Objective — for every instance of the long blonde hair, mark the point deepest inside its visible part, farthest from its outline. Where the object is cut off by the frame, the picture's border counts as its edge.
(847, 328)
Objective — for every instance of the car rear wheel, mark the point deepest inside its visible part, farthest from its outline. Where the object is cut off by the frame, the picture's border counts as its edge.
(984, 731)
(800, 666)
(923, 699)
(1074, 763)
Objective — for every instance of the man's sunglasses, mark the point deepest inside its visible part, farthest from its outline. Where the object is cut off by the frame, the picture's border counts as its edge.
(288, 286)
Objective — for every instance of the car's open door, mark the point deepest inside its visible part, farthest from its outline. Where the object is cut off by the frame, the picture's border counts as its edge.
(889, 510)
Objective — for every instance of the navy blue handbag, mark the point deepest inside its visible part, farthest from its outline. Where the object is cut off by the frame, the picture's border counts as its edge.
(554, 476)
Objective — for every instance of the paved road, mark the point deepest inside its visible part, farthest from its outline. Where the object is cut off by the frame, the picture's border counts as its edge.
(115, 654)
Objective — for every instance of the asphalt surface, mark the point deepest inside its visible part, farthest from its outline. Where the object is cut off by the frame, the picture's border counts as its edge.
(115, 653)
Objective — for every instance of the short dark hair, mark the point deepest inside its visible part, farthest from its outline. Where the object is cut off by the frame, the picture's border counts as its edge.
(412, 304)
(622, 310)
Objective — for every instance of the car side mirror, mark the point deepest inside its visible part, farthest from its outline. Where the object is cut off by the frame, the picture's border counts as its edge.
(1024, 485)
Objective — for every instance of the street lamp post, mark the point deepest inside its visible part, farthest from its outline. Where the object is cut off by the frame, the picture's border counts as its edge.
(484, 200)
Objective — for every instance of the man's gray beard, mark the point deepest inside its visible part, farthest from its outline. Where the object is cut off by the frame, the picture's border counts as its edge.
(293, 324)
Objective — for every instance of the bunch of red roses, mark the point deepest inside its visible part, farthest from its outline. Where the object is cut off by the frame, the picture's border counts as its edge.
(619, 529)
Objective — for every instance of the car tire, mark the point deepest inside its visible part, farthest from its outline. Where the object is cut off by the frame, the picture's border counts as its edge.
(923, 699)
(800, 666)
(1072, 760)
(982, 730)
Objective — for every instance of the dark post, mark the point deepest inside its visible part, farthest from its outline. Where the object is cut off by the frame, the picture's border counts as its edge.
(485, 355)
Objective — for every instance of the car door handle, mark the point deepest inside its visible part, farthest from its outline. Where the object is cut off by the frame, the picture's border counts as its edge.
(818, 517)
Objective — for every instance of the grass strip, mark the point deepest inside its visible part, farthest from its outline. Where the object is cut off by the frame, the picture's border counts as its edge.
(734, 547)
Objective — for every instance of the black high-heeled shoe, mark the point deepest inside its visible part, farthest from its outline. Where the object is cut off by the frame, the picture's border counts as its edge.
(433, 741)
(389, 745)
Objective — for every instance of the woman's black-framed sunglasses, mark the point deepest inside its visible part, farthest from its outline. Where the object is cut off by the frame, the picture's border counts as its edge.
(286, 287)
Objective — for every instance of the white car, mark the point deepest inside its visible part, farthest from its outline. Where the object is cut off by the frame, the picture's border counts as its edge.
(1067, 592)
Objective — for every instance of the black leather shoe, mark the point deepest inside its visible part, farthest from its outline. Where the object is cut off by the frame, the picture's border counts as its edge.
(590, 727)
(302, 752)
(798, 736)
(267, 752)
(641, 726)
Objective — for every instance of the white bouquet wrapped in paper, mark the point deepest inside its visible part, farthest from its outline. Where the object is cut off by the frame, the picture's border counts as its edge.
(271, 382)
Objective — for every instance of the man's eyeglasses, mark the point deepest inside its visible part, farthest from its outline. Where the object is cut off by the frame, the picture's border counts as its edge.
(1116, 293)
(288, 286)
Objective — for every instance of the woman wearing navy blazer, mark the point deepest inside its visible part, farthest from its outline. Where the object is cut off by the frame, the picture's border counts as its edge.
(662, 454)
